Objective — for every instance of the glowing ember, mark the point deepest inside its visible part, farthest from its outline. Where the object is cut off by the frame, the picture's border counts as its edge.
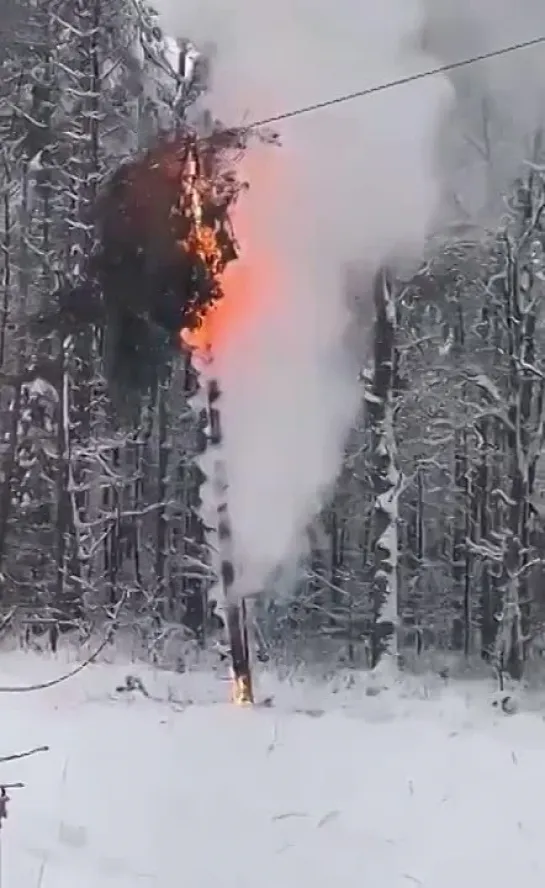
(242, 690)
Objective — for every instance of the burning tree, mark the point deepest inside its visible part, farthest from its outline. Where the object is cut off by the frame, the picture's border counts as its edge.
(149, 273)
(163, 240)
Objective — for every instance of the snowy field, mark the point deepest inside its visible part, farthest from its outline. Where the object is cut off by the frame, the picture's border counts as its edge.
(423, 785)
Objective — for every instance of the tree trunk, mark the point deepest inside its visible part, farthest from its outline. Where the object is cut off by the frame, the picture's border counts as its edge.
(386, 477)
(161, 535)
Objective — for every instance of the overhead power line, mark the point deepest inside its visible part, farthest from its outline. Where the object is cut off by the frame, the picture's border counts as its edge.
(400, 81)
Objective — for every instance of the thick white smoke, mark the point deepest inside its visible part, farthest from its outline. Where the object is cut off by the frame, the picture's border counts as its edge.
(500, 104)
(354, 182)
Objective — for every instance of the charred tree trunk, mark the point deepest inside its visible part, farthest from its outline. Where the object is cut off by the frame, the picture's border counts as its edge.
(237, 620)
(190, 543)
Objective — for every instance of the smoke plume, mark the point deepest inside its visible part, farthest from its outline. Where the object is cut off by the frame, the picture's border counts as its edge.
(351, 183)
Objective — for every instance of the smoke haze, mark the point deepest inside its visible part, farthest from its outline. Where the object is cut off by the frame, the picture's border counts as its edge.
(353, 182)
(500, 103)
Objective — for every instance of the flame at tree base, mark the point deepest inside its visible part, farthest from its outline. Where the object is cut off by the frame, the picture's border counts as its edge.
(237, 627)
(242, 692)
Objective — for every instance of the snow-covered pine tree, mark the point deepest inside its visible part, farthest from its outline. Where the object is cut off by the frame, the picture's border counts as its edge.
(386, 475)
(78, 79)
(519, 287)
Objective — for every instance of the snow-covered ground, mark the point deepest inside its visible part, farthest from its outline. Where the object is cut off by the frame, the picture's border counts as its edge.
(423, 785)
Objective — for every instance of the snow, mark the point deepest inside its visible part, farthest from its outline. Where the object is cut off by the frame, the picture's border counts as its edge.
(424, 784)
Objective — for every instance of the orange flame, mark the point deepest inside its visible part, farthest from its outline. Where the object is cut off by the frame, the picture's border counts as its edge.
(246, 283)
(202, 241)
(242, 690)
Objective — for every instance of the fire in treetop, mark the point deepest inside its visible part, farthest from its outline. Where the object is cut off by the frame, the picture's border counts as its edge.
(162, 240)
(202, 241)
(166, 235)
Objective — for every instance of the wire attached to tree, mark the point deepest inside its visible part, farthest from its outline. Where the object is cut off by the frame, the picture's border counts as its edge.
(400, 81)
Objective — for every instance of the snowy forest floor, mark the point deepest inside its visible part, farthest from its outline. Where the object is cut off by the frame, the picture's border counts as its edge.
(426, 784)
